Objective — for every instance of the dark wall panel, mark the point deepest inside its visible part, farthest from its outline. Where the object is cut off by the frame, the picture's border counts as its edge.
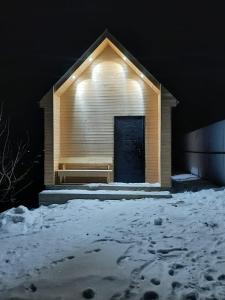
(205, 152)
(215, 137)
(216, 171)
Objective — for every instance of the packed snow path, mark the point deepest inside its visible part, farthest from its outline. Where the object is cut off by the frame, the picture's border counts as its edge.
(114, 250)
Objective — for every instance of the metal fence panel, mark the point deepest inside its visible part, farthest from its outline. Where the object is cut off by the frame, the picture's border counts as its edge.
(205, 152)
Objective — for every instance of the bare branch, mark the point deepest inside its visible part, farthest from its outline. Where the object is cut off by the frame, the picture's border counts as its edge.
(13, 173)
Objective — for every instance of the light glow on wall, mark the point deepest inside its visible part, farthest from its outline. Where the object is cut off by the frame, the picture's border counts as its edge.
(110, 70)
(81, 87)
(136, 89)
(136, 86)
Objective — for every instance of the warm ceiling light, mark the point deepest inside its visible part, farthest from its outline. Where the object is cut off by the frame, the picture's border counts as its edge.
(142, 76)
(73, 77)
(90, 58)
(124, 58)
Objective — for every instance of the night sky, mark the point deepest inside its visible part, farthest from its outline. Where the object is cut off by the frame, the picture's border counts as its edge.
(181, 43)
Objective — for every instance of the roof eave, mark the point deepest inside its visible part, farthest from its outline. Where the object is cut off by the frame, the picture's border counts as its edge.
(105, 35)
(80, 60)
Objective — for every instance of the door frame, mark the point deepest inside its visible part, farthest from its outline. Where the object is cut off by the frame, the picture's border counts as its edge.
(114, 127)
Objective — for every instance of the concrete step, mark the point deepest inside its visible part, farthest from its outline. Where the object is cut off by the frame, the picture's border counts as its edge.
(60, 196)
(110, 187)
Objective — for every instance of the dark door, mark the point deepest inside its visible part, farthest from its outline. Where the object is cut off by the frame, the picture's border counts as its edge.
(129, 150)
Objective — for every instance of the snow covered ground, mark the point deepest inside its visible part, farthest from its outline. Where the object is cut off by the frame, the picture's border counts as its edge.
(185, 177)
(114, 250)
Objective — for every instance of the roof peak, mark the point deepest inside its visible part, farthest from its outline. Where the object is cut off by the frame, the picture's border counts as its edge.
(119, 48)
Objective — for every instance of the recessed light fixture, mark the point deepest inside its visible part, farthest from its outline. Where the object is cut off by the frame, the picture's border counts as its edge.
(124, 58)
(73, 77)
(90, 58)
(142, 76)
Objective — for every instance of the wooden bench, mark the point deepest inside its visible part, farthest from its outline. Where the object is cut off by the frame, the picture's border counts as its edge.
(85, 167)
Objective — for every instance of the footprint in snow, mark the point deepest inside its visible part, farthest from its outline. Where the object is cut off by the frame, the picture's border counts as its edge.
(121, 259)
(150, 295)
(32, 288)
(55, 262)
(208, 277)
(168, 236)
(176, 266)
(70, 257)
(190, 296)
(116, 296)
(155, 281)
(58, 261)
(176, 284)
(211, 270)
(166, 251)
(190, 253)
(91, 251)
(109, 278)
(88, 293)
(221, 277)
(134, 220)
(158, 221)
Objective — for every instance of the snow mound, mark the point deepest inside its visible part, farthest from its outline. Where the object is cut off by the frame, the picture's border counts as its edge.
(19, 220)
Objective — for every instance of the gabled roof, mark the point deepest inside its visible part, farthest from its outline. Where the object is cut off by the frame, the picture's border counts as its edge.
(104, 40)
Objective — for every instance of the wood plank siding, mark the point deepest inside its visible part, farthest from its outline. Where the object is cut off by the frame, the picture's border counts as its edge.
(56, 127)
(84, 113)
(106, 81)
(167, 102)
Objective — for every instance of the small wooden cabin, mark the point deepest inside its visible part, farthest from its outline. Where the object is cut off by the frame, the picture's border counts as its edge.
(107, 120)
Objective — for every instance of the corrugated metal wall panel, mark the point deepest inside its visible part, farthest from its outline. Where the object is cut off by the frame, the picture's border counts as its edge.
(216, 171)
(215, 137)
(205, 152)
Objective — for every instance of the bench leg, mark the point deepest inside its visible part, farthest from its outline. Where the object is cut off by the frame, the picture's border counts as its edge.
(62, 178)
(108, 178)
